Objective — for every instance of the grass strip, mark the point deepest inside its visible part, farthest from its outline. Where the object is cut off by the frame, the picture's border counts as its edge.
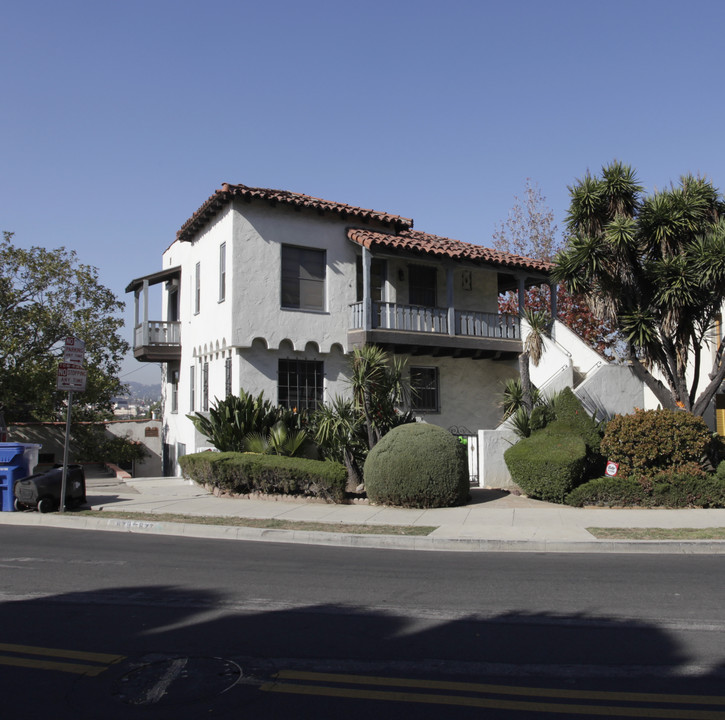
(264, 523)
(717, 533)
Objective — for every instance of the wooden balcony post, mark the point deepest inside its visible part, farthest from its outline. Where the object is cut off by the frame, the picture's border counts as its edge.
(449, 301)
(367, 300)
(145, 330)
(554, 309)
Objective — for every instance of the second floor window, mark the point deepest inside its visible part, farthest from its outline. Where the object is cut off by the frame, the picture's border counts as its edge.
(303, 278)
(197, 288)
(422, 282)
(222, 272)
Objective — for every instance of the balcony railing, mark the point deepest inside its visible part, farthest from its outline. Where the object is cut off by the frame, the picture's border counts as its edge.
(417, 318)
(157, 340)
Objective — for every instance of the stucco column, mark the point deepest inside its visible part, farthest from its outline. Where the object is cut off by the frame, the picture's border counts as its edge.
(367, 300)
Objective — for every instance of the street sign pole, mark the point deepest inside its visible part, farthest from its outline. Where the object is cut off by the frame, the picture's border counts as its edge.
(66, 449)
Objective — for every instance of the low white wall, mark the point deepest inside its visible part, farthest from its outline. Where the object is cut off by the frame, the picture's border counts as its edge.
(492, 444)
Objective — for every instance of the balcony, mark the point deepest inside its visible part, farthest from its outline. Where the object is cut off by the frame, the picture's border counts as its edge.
(419, 330)
(157, 341)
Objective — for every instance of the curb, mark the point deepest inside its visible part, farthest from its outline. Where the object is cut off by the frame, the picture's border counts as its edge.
(379, 542)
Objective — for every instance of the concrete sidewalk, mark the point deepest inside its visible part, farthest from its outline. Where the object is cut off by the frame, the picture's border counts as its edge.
(492, 521)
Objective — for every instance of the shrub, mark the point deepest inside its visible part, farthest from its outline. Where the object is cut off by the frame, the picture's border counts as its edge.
(417, 465)
(671, 490)
(652, 440)
(549, 463)
(249, 472)
(609, 491)
(569, 412)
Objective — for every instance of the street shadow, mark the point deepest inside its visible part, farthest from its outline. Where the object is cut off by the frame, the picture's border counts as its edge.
(149, 625)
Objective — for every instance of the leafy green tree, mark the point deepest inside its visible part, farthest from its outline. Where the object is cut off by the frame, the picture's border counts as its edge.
(46, 296)
(654, 267)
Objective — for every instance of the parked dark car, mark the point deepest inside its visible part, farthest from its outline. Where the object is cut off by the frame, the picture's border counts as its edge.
(42, 490)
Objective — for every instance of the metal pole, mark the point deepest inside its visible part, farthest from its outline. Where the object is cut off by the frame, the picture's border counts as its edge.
(65, 453)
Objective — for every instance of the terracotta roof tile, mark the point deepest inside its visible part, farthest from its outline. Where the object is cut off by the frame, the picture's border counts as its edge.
(229, 192)
(424, 243)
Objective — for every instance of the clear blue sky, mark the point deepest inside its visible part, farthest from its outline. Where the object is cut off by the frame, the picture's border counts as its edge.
(119, 119)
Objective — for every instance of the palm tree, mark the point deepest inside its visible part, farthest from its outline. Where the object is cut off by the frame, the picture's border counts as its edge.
(654, 267)
(378, 388)
(538, 323)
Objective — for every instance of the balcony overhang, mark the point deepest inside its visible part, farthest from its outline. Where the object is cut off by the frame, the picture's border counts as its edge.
(137, 284)
(403, 342)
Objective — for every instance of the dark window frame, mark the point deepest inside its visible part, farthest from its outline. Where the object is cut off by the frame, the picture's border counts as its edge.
(425, 389)
(222, 272)
(422, 288)
(300, 383)
(303, 278)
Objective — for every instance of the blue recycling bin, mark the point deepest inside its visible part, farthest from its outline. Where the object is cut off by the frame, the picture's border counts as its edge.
(17, 460)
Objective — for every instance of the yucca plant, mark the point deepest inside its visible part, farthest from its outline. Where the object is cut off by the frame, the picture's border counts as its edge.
(232, 419)
(279, 441)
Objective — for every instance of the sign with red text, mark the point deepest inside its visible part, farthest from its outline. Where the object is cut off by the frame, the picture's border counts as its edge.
(71, 378)
(74, 351)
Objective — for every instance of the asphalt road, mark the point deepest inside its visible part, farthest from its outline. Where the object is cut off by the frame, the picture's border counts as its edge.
(104, 625)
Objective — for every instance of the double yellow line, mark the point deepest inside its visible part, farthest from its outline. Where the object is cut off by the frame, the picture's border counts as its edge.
(498, 697)
(29, 656)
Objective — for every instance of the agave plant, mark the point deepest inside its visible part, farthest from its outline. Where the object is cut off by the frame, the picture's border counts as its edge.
(232, 419)
(279, 441)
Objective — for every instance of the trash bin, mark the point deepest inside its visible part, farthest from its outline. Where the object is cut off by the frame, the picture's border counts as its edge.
(17, 460)
(43, 490)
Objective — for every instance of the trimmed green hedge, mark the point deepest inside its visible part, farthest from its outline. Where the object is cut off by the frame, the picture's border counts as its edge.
(418, 465)
(549, 463)
(243, 473)
(679, 491)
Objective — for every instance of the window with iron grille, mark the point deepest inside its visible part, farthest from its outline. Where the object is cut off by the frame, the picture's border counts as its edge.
(300, 384)
(205, 387)
(424, 389)
(303, 278)
(228, 377)
(192, 389)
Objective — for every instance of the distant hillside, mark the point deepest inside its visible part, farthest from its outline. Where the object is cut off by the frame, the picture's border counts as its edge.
(139, 391)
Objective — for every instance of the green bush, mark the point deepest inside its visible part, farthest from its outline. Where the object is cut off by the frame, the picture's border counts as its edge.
(417, 465)
(243, 473)
(608, 492)
(549, 463)
(649, 441)
(671, 490)
(569, 412)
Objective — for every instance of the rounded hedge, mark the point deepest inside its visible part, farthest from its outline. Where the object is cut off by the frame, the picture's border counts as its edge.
(417, 465)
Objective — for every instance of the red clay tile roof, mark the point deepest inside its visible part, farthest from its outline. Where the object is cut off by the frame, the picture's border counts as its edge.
(424, 243)
(283, 197)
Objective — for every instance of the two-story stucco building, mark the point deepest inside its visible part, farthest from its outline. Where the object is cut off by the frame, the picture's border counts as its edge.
(270, 290)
